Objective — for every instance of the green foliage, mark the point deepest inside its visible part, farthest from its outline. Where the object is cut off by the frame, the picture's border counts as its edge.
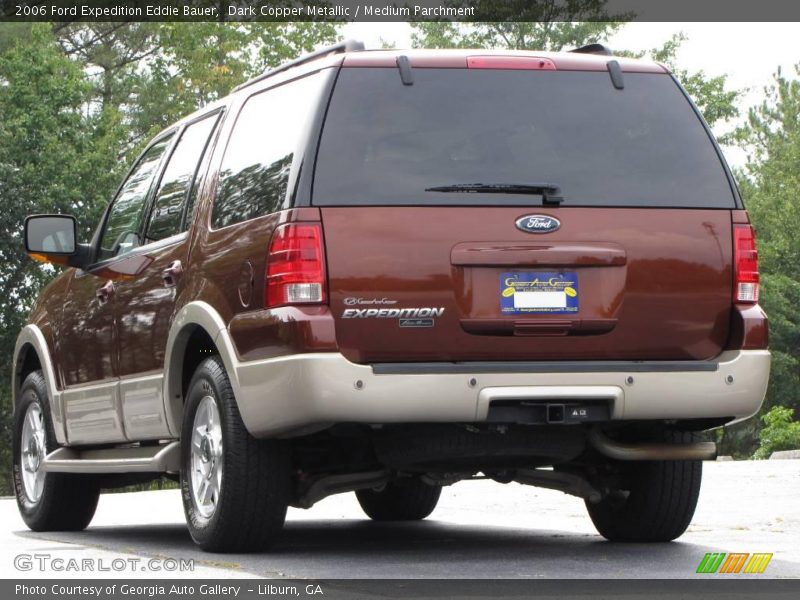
(54, 157)
(536, 26)
(155, 73)
(716, 102)
(771, 189)
(11, 33)
(770, 186)
(517, 35)
(52, 153)
(772, 178)
(780, 432)
(200, 62)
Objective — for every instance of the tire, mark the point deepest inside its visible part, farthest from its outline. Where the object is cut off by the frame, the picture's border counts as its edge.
(402, 500)
(663, 497)
(252, 477)
(56, 501)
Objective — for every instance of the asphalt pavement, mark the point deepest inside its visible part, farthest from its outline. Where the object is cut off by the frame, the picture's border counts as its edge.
(480, 529)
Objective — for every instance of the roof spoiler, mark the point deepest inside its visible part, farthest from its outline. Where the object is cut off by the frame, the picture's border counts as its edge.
(594, 49)
(339, 48)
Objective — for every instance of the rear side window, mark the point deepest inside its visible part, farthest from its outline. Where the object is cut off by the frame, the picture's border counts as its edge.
(258, 159)
(385, 143)
(167, 214)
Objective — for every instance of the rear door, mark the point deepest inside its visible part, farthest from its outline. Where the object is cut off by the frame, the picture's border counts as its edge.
(89, 329)
(146, 300)
(634, 263)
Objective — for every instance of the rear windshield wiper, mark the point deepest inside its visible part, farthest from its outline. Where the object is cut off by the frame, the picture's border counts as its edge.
(551, 193)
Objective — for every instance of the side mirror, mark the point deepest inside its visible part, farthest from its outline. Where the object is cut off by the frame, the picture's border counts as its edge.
(51, 238)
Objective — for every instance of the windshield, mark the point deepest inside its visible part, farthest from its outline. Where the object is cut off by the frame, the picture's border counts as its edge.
(385, 143)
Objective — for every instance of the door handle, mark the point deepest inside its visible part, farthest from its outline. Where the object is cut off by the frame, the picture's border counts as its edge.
(169, 276)
(105, 293)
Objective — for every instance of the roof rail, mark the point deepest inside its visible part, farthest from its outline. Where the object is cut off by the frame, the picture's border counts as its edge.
(594, 49)
(339, 48)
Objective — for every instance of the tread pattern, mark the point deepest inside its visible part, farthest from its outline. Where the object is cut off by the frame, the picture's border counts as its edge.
(256, 475)
(663, 497)
(402, 500)
(68, 500)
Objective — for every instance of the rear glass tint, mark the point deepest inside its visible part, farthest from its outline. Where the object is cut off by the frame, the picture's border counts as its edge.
(384, 143)
(255, 169)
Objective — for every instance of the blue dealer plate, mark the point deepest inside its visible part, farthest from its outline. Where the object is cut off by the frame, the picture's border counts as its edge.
(534, 292)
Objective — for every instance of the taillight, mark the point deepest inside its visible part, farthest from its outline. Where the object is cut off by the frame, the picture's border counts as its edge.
(296, 266)
(511, 62)
(745, 260)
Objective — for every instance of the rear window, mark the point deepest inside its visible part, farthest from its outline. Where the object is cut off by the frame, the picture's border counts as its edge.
(384, 143)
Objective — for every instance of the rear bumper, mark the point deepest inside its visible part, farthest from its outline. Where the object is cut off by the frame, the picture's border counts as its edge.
(298, 393)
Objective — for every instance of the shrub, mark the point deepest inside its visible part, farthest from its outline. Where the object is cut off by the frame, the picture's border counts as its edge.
(780, 432)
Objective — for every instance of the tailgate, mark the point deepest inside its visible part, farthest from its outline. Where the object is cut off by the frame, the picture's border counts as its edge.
(465, 284)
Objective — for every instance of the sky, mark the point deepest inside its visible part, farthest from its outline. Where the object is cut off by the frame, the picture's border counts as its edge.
(749, 53)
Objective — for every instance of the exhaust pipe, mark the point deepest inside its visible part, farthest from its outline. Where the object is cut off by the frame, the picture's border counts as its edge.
(644, 451)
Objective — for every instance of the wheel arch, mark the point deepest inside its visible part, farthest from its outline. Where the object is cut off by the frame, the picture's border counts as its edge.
(31, 353)
(195, 326)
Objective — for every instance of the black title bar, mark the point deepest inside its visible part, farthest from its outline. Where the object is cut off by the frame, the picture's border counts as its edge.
(361, 589)
(385, 11)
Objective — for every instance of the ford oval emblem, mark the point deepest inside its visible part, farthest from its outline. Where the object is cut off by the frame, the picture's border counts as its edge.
(538, 223)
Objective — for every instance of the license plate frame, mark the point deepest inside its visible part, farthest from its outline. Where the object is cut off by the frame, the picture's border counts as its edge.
(539, 292)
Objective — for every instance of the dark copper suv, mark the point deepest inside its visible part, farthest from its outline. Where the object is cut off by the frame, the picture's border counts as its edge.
(386, 272)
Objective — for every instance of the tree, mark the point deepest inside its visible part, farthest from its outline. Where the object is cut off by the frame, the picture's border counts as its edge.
(154, 73)
(779, 433)
(515, 36)
(716, 102)
(535, 26)
(112, 55)
(770, 184)
(198, 63)
(53, 158)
